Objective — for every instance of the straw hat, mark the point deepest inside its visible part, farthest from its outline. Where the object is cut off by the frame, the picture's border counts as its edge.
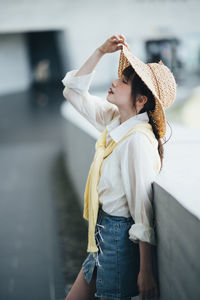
(158, 78)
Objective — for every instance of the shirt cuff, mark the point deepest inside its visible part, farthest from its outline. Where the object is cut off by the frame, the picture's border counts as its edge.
(140, 232)
(80, 84)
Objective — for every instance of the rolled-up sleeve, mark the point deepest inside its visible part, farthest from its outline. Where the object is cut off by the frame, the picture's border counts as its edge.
(138, 176)
(99, 112)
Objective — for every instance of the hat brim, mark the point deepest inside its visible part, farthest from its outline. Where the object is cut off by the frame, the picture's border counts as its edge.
(145, 73)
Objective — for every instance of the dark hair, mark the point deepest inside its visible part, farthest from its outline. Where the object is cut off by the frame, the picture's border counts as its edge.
(139, 87)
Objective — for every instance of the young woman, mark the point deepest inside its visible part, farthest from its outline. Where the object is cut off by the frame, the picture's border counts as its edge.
(129, 153)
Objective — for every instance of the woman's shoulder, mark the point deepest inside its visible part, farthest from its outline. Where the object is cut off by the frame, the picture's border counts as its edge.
(136, 142)
(135, 137)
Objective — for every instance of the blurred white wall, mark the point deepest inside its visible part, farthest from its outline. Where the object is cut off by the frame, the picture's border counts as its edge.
(14, 65)
(135, 17)
(87, 24)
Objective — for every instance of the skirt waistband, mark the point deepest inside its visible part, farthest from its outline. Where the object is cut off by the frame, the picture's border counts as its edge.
(102, 213)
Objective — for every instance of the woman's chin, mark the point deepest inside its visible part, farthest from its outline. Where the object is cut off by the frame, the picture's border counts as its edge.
(109, 98)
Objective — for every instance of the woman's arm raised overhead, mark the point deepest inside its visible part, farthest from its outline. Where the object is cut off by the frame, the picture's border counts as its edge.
(90, 63)
(111, 45)
(97, 111)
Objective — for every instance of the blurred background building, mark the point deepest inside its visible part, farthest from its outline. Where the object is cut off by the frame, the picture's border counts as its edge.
(42, 244)
(64, 33)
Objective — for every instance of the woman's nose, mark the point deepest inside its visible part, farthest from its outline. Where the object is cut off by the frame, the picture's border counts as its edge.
(114, 83)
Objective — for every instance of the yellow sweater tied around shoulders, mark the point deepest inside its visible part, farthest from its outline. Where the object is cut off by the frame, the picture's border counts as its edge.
(91, 199)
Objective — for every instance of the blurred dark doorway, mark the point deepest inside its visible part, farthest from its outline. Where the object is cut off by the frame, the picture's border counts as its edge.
(165, 50)
(46, 66)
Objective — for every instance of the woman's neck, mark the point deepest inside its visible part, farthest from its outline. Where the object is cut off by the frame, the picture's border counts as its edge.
(125, 117)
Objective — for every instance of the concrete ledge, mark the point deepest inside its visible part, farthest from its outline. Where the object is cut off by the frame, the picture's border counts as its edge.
(79, 138)
(177, 231)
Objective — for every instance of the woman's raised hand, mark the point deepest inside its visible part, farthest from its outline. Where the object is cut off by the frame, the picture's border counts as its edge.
(113, 44)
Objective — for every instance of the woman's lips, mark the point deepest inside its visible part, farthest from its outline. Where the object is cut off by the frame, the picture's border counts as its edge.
(110, 91)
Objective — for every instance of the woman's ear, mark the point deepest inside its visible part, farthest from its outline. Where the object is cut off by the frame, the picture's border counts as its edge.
(142, 99)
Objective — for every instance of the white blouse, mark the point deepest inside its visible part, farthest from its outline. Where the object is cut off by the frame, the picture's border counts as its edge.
(127, 174)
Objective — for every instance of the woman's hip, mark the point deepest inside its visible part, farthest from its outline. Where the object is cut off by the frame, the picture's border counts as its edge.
(112, 236)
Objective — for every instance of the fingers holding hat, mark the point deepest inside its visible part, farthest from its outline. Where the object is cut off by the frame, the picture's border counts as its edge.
(122, 39)
(112, 44)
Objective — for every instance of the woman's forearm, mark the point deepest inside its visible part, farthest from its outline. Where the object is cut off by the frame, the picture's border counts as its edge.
(90, 63)
(112, 44)
(145, 256)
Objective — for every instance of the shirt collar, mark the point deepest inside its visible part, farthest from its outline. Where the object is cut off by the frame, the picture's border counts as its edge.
(117, 130)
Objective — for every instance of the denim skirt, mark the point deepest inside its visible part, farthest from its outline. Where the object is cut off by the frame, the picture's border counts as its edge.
(117, 259)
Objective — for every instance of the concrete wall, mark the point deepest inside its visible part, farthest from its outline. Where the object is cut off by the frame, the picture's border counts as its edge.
(178, 247)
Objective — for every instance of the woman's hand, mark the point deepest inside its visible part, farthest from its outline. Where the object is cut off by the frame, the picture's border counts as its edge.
(147, 285)
(113, 44)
